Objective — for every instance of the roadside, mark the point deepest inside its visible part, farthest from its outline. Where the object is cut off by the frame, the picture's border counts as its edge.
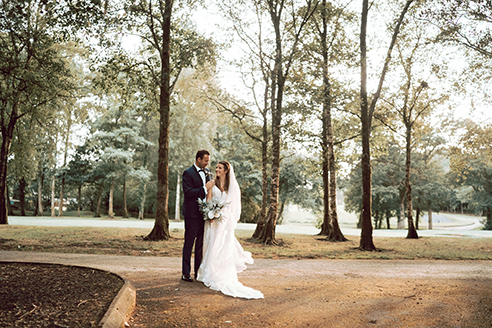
(301, 293)
(466, 229)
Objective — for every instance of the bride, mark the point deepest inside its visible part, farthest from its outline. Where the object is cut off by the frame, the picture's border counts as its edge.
(223, 256)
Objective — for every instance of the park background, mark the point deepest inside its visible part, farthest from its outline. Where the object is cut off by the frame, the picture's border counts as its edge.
(83, 108)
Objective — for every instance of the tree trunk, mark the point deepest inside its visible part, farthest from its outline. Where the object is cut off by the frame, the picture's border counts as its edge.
(417, 218)
(387, 220)
(260, 225)
(177, 214)
(366, 241)
(401, 213)
(40, 194)
(281, 211)
(99, 202)
(79, 199)
(9, 204)
(125, 208)
(7, 136)
(488, 223)
(60, 203)
(111, 197)
(430, 218)
(141, 207)
(22, 196)
(53, 196)
(412, 232)
(161, 225)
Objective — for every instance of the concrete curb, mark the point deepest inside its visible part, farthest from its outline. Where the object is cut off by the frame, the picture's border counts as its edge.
(121, 308)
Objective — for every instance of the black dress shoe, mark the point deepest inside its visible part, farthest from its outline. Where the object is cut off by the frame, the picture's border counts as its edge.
(187, 277)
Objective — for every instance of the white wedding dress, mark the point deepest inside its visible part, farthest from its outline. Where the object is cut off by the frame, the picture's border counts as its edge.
(223, 256)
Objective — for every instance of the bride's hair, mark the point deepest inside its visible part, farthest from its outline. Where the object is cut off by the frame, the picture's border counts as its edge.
(227, 168)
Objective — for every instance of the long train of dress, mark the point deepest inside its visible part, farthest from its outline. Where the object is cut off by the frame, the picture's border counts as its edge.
(223, 256)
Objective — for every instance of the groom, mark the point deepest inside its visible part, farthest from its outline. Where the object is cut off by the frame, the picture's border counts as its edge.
(196, 179)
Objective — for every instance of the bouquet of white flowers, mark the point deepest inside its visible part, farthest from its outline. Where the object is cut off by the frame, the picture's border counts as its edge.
(211, 210)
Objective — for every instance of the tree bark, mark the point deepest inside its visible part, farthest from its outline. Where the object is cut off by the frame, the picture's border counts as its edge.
(99, 202)
(111, 197)
(22, 196)
(141, 207)
(60, 203)
(430, 218)
(40, 194)
(125, 208)
(9, 204)
(412, 232)
(260, 225)
(7, 136)
(53, 196)
(366, 242)
(401, 212)
(161, 225)
(79, 199)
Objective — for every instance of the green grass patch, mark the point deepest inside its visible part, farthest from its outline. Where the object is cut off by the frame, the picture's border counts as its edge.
(129, 241)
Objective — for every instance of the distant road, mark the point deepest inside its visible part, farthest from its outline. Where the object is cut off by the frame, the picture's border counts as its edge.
(305, 229)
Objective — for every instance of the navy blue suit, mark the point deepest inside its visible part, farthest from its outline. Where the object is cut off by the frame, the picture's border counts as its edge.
(193, 189)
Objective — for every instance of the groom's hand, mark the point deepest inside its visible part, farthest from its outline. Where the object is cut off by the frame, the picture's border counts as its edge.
(210, 184)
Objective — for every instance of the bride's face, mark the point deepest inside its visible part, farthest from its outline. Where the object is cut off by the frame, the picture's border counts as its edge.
(220, 171)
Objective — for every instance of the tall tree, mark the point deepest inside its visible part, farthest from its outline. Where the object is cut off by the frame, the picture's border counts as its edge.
(366, 115)
(471, 165)
(166, 55)
(300, 16)
(33, 74)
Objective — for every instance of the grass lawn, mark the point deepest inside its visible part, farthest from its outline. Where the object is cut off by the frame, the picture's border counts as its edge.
(129, 241)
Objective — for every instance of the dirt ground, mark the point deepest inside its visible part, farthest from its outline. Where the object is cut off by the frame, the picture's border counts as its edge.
(46, 295)
(299, 298)
(298, 293)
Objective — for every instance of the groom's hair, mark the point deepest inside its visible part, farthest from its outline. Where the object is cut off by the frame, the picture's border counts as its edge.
(201, 153)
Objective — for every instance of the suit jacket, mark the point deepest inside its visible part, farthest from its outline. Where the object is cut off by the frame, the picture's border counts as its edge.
(193, 189)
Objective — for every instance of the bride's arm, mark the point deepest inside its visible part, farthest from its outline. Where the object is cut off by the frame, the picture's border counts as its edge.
(209, 187)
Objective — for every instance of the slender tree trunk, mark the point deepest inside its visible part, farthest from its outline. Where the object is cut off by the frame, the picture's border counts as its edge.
(99, 202)
(9, 204)
(53, 196)
(141, 208)
(22, 196)
(412, 232)
(387, 220)
(366, 241)
(7, 136)
(125, 208)
(79, 199)
(260, 225)
(177, 214)
(401, 213)
(111, 198)
(326, 227)
(60, 204)
(161, 225)
(40, 194)
(281, 211)
(430, 218)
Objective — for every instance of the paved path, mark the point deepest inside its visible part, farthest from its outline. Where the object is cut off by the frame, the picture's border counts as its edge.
(306, 229)
(134, 267)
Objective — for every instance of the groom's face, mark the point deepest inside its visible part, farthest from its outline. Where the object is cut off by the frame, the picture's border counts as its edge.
(203, 162)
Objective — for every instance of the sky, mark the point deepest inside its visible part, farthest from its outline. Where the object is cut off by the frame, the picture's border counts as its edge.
(212, 24)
